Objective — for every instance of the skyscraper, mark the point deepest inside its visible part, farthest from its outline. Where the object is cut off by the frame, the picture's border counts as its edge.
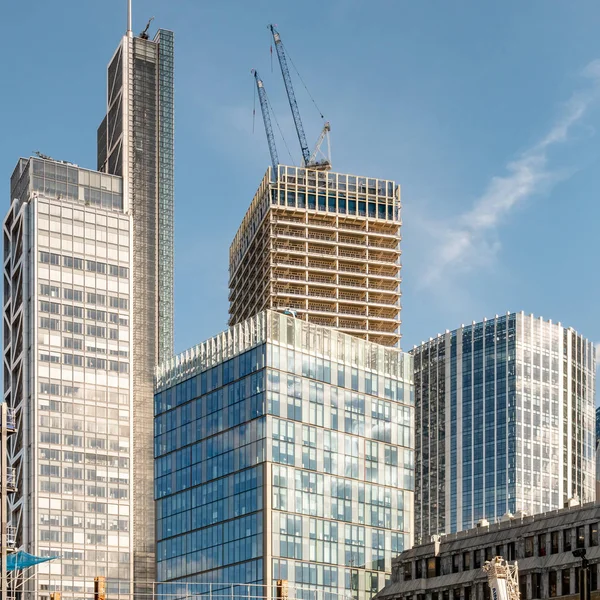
(67, 373)
(324, 244)
(283, 451)
(135, 141)
(504, 422)
(88, 314)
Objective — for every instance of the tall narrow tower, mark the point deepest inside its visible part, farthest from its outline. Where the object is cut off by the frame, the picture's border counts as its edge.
(135, 141)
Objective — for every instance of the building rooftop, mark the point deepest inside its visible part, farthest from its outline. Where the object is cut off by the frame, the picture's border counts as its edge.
(271, 326)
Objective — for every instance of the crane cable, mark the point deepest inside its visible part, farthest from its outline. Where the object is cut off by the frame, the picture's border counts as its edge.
(278, 127)
(302, 80)
(253, 107)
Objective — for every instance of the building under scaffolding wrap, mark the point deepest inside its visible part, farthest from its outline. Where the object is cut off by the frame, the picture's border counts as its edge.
(324, 244)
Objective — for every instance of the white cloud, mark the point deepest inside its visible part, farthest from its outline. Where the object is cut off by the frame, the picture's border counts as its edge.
(469, 240)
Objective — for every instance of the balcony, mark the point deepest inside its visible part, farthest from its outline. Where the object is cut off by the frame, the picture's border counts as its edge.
(351, 297)
(353, 254)
(314, 278)
(324, 321)
(322, 293)
(312, 249)
(317, 235)
(349, 268)
(353, 283)
(288, 275)
(352, 240)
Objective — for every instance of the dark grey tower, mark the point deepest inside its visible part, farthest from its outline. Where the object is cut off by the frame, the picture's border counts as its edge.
(135, 140)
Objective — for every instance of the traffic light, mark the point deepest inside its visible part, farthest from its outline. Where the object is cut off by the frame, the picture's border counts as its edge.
(282, 589)
(100, 588)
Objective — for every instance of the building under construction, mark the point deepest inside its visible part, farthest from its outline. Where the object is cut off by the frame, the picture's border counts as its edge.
(325, 245)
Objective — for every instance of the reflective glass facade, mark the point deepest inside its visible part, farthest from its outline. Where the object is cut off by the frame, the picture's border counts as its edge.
(67, 363)
(136, 141)
(504, 422)
(283, 450)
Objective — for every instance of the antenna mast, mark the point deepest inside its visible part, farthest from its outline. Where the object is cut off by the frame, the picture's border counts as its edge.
(129, 26)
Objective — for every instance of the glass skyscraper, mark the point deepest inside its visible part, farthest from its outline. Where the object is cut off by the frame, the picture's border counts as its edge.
(284, 451)
(88, 314)
(135, 141)
(67, 374)
(504, 422)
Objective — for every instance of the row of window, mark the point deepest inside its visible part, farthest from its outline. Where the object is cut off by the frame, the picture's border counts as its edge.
(89, 362)
(91, 394)
(98, 491)
(92, 314)
(541, 545)
(559, 583)
(75, 295)
(76, 328)
(93, 266)
(114, 445)
(80, 457)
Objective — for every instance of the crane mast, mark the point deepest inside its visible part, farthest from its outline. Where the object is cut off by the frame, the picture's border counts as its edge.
(264, 107)
(287, 80)
(503, 579)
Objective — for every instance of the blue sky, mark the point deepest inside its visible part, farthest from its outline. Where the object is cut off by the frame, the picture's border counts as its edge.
(485, 113)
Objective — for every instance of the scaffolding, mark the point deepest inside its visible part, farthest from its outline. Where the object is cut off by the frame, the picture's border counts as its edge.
(326, 245)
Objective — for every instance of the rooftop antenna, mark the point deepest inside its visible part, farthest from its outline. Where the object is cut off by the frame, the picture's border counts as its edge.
(129, 29)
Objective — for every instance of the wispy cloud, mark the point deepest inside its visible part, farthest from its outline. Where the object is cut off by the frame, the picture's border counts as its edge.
(469, 240)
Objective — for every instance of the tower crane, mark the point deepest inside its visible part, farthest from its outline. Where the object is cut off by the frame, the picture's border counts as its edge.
(308, 158)
(264, 107)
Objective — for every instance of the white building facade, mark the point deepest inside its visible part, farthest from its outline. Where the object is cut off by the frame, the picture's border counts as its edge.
(66, 355)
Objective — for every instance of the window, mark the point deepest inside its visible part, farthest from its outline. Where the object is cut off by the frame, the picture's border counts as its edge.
(75, 295)
(522, 587)
(536, 585)
(418, 569)
(580, 536)
(467, 593)
(49, 290)
(466, 561)
(552, 584)
(542, 544)
(566, 582)
(407, 571)
(488, 554)
(433, 566)
(73, 311)
(477, 559)
(528, 546)
(566, 540)
(455, 563)
(510, 551)
(554, 542)
(594, 534)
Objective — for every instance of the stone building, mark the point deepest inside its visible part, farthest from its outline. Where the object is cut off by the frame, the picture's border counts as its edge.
(449, 567)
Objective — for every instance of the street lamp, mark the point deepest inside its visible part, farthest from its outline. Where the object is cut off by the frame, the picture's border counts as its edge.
(584, 574)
